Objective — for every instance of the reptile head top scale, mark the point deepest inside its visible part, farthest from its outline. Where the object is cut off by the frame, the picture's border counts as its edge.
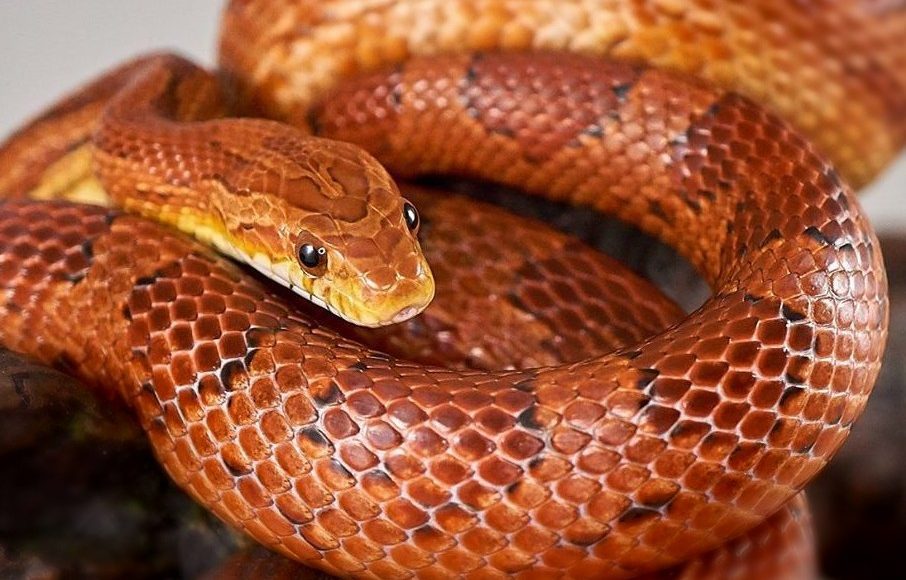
(319, 216)
(327, 221)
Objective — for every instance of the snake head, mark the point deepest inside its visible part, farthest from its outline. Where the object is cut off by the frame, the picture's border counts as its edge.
(325, 219)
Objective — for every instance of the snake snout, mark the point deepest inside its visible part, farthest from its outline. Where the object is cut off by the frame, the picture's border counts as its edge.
(405, 314)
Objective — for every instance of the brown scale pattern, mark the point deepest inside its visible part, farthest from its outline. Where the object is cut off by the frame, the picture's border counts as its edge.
(781, 548)
(753, 152)
(64, 215)
(266, 187)
(504, 305)
(360, 463)
(821, 64)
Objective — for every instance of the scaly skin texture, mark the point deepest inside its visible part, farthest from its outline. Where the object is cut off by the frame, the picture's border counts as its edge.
(779, 548)
(361, 463)
(149, 135)
(818, 64)
(357, 462)
(504, 305)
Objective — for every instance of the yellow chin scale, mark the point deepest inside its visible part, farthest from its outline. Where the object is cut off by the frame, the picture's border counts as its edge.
(72, 178)
(284, 272)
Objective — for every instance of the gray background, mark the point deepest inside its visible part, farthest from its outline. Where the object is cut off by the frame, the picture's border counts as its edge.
(49, 46)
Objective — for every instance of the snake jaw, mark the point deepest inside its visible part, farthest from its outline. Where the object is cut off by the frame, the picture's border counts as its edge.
(356, 302)
(349, 298)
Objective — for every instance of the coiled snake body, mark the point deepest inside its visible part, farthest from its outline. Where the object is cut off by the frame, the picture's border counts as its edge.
(573, 463)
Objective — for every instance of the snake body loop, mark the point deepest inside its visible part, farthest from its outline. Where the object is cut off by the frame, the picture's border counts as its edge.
(360, 463)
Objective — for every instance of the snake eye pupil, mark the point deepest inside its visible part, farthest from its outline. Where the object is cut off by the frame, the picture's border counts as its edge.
(410, 214)
(310, 256)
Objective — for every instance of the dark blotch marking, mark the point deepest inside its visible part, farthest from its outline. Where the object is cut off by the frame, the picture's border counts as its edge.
(514, 299)
(328, 396)
(149, 280)
(289, 516)
(789, 393)
(791, 314)
(638, 515)
(359, 366)
(337, 469)
(681, 429)
(77, 277)
(713, 110)
(471, 71)
(314, 437)
(657, 209)
(250, 356)
(772, 236)
(127, 312)
(661, 500)
(230, 372)
(396, 96)
(529, 420)
(258, 337)
(644, 402)
(791, 378)
(679, 140)
(692, 204)
(592, 539)
(513, 487)
(816, 235)
(645, 378)
(426, 530)
(596, 131)
(526, 385)
(236, 470)
(752, 299)
(621, 91)
(87, 248)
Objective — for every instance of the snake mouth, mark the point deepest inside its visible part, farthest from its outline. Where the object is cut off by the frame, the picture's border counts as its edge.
(407, 301)
(343, 300)
(405, 314)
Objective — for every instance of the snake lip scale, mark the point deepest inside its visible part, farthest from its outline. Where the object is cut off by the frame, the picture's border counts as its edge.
(562, 443)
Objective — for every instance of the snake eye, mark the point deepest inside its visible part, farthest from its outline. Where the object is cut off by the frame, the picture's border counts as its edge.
(410, 214)
(312, 257)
